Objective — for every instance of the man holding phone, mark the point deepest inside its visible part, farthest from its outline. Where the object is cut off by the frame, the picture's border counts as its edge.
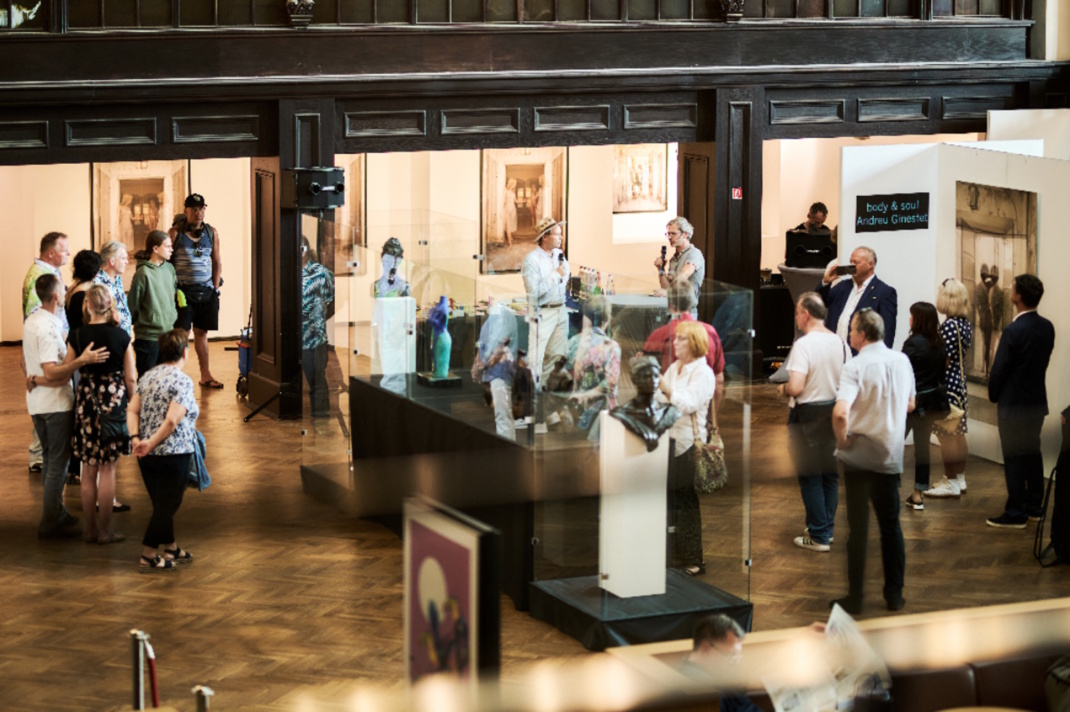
(863, 290)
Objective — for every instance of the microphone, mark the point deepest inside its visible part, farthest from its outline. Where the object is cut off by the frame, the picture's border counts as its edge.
(561, 258)
(390, 278)
(664, 251)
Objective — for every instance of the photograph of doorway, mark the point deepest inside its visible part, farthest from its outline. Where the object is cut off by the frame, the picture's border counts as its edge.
(521, 186)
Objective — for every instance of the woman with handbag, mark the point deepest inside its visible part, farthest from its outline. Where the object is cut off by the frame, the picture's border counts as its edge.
(928, 357)
(100, 410)
(162, 418)
(953, 301)
(688, 385)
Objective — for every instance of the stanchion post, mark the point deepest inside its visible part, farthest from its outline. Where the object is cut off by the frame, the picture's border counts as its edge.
(138, 639)
(203, 693)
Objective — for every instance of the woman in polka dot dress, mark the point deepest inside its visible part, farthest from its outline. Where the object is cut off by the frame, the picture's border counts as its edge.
(953, 301)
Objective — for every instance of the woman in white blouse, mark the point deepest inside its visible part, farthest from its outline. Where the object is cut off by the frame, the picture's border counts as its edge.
(688, 385)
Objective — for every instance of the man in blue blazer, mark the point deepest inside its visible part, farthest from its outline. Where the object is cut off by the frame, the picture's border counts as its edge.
(1016, 384)
(862, 291)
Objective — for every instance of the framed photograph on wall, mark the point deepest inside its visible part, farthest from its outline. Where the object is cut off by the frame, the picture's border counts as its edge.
(452, 623)
(133, 198)
(640, 178)
(997, 233)
(521, 186)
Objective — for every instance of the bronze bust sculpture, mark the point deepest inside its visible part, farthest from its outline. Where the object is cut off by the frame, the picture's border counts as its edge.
(643, 415)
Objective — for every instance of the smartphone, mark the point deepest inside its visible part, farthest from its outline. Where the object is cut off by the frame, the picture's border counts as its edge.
(845, 269)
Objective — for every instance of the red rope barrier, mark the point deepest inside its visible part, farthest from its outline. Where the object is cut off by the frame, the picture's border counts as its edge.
(150, 655)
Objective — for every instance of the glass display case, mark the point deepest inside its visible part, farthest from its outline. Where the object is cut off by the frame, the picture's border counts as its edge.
(432, 390)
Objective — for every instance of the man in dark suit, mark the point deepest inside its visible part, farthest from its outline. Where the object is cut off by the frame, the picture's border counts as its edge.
(845, 298)
(1016, 384)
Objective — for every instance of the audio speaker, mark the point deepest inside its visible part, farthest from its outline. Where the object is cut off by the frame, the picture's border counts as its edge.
(313, 188)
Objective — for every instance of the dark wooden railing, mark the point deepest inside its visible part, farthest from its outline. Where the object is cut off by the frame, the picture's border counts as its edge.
(90, 15)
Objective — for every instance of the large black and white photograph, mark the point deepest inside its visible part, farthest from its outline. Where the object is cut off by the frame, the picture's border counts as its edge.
(997, 231)
(521, 186)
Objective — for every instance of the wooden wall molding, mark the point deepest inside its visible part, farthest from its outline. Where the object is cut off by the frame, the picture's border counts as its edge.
(808, 111)
(480, 121)
(365, 124)
(893, 109)
(215, 129)
(975, 107)
(660, 116)
(23, 134)
(111, 132)
(572, 118)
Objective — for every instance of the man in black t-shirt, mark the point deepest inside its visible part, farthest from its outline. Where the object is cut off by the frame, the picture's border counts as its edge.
(815, 220)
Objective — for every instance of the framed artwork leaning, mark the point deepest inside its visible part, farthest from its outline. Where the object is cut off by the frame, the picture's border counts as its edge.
(520, 187)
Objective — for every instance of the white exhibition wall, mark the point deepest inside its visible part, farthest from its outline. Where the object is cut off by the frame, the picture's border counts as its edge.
(1052, 125)
(42, 199)
(916, 261)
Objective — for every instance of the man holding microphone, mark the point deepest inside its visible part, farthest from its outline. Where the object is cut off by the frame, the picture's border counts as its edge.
(546, 273)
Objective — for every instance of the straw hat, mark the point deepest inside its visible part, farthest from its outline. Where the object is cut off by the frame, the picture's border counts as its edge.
(544, 227)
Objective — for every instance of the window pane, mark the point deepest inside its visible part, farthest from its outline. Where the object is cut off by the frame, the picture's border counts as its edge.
(327, 11)
(965, 7)
(675, 10)
(847, 8)
(941, 8)
(706, 10)
(779, 8)
(572, 10)
(119, 13)
(271, 13)
(811, 8)
(393, 11)
(433, 11)
(501, 10)
(605, 9)
(155, 13)
(872, 8)
(235, 13)
(642, 10)
(752, 9)
(539, 10)
(468, 10)
(990, 7)
(196, 12)
(899, 8)
(83, 14)
(353, 11)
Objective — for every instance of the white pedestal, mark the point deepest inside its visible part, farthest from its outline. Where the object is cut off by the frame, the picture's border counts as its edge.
(632, 529)
(394, 335)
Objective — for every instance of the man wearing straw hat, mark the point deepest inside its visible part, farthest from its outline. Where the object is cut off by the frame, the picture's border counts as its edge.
(546, 273)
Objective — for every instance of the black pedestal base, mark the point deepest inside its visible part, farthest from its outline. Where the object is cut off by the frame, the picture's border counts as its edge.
(598, 619)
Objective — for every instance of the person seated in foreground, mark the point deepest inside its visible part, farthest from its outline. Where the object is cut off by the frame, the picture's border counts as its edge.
(717, 642)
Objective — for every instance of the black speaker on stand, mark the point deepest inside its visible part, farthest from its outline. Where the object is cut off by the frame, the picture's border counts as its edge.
(313, 188)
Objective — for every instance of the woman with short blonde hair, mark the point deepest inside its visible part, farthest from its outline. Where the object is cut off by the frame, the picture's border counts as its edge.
(688, 385)
(953, 301)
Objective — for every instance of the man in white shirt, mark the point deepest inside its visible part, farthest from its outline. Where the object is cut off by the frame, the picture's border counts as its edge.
(545, 271)
(50, 399)
(814, 366)
(875, 394)
(55, 252)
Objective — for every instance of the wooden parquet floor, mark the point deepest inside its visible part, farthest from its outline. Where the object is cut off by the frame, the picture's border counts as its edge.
(287, 594)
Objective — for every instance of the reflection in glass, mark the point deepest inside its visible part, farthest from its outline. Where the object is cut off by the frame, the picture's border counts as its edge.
(571, 10)
(269, 13)
(813, 8)
(846, 8)
(899, 8)
(433, 11)
(675, 9)
(539, 10)
(120, 13)
(355, 11)
(642, 10)
(965, 7)
(780, 8)
(872, 8)
(501, 11)
(468, 10)
(941, 8)
(605, 10)
(155, 14)
(196, 12)
(393, 11)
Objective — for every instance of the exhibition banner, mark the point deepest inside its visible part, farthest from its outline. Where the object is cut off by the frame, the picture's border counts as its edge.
(886, 213)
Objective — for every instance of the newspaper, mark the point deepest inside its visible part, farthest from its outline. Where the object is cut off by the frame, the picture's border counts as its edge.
(826, 674)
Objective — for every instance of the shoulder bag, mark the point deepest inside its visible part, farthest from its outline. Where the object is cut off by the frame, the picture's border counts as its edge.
(711, 471)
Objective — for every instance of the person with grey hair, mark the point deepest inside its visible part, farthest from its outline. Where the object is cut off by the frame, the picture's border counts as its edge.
(717, 642)
(687, 265)
(847, 297)
(814, 365)
(875, 394)
(113, 262)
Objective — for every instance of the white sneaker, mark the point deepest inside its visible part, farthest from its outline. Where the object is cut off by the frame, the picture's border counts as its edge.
(520, 423)
(540, 428)
(944, 488)
(805, 542)
(961, 482)
(806, 533)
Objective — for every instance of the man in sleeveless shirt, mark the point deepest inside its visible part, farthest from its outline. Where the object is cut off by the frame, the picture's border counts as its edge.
(199, 268)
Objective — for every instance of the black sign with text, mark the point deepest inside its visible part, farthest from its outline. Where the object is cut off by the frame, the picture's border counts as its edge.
(883, 213)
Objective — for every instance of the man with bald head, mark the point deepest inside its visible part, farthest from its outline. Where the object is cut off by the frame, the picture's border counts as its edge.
(862, 290)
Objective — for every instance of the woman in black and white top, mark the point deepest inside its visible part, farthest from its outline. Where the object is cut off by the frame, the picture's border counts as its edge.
(953, 301)
(162, 418)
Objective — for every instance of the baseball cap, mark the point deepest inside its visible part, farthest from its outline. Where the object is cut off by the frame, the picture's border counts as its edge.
(196, 200)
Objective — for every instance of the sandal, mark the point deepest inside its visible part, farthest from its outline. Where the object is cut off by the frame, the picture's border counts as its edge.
(178, 555)
(211, 383)
(155, 564)
(113, 538)
(695, 570)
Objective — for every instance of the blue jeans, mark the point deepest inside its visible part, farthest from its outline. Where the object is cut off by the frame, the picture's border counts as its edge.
(54, 430)
(146, 355)
(813, 451)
